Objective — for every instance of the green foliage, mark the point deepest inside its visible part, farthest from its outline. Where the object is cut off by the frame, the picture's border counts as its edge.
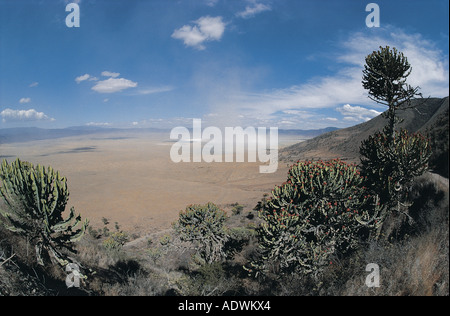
(203, 225)
(36, 198)
(384, 76)
(391, 166)
(209, 280)
(115, 241)
(237, 208)
(322, 210)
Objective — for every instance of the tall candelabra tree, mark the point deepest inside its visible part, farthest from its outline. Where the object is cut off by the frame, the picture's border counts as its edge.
(392, 158)
(35, 200)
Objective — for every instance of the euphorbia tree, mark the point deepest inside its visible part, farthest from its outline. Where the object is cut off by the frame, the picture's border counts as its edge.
(391, 159)
(322, 210)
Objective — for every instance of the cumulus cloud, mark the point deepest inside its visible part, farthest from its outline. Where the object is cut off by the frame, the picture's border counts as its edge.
(112, 85)
(253, 9)
(24, 100)
(205, 29)
(84, 78)
(357, 113)
(23, 115)
(110, 74)
(34, 84)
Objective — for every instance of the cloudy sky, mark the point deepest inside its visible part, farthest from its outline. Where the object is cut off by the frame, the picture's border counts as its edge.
(294, 64)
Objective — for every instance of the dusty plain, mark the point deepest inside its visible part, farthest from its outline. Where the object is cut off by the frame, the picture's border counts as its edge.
(129, 178)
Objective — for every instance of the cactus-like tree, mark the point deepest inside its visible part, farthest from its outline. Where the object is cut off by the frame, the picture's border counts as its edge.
(203, 226)
(384, 76)
(322, 210)
(392, 158)
(35, 200)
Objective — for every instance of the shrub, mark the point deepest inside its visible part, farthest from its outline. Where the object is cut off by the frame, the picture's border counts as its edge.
(391, 166)
(203, 225)
(115, 241)
(322, 210)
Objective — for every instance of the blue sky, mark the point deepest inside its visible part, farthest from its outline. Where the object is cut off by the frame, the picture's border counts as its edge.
(292, 64)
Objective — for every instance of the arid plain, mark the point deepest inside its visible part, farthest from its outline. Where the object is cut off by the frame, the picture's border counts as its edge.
(129, 177)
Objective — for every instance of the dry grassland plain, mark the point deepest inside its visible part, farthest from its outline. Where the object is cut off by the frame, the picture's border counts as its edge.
(129, 178)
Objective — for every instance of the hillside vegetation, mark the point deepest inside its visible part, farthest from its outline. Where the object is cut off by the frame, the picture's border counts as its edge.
(413, 261)
(428, 116)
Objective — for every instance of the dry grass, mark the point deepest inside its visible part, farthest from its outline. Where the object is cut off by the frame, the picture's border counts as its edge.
(414, 263)
(418, 267)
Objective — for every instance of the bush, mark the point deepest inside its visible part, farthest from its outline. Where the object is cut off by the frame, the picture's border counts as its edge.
(321, 211)
(390, 166)
(203, 225)
(115, 241)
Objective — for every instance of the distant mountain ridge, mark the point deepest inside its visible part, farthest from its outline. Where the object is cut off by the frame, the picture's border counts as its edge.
(25, 134)
(430, 116)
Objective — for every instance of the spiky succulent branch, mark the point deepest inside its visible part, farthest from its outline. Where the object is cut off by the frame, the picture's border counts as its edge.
(321, 210)
(35, 198)
(203, 225)
(391, 165)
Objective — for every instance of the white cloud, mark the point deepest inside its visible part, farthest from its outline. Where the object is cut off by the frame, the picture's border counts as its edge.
(357, 113)
(85, 77)
(153, 90)
(23, 115)
(211, 3)
(110, 74)
(252, 10)
(286, 122)
(34, 84)
(24, 100)
(82, 78)
(206, 29)
(324, 92)
(323, 95)
(112, 85)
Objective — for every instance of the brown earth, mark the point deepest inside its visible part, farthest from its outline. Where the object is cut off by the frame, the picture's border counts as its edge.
(130, 178)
